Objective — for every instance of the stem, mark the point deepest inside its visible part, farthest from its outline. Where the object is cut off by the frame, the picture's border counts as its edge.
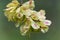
(21, 2)
(28, 35)
(30, 1)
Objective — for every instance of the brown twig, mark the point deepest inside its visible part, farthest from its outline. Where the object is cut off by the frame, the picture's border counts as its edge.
(21, 2)
(30, 1)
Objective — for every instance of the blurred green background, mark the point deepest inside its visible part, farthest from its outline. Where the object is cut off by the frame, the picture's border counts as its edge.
(8, 31)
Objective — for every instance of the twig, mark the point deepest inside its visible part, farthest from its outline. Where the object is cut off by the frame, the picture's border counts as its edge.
(30, 1)
(21, 2)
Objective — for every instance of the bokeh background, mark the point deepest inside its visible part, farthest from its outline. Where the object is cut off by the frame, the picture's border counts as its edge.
(8, 31)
